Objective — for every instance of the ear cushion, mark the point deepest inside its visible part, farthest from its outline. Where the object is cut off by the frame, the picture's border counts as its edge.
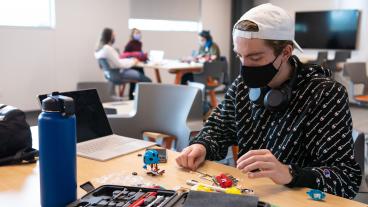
(276, 99)
(256, 95)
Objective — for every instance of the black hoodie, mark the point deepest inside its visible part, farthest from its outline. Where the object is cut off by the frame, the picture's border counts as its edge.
(313, 134)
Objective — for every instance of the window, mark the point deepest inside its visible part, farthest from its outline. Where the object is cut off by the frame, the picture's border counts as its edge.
(165, 25)
(165, 15)
(27, 13)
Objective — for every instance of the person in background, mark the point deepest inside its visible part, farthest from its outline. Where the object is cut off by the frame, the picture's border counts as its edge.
(208, 51)
(105, 50)
(134, 49)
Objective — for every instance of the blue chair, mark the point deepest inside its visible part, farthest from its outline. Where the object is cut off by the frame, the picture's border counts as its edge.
(113, 75)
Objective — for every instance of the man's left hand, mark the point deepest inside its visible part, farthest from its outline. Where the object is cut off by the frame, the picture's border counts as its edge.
(262, 163)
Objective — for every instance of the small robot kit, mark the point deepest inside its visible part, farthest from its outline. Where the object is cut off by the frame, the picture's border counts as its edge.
(128, 196)
(151, 158)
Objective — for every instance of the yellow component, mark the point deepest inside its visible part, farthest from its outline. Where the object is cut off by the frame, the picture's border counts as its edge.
(233, 190)
(204, 188)
(200, 187)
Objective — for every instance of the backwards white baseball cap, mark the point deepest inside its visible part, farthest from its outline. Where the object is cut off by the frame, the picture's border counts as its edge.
(274, 23)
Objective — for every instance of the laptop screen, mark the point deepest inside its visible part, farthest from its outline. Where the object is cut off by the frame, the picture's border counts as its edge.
(92, 122)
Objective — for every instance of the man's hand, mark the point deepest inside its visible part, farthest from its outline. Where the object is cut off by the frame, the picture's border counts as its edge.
(191, 157)
(262, 163)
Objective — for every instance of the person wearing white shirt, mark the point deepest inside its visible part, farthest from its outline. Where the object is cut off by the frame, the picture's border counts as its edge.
(105, 50)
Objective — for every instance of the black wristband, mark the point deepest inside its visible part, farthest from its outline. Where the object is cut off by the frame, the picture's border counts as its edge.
(294, 172)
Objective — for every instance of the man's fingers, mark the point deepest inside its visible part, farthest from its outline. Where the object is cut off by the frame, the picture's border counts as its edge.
(258, 165)
(251, 160)
(251, 153)
(261, 174)
(193, 157)
(181, 160)
(198, 162)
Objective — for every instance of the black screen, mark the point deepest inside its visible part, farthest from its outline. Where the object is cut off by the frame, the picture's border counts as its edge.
(92, 122)
(336, 29)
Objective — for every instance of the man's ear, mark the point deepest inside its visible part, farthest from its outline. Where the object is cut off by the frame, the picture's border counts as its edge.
(287, 52)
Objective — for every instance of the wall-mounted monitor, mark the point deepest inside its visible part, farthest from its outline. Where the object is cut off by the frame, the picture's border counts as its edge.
(335, 29)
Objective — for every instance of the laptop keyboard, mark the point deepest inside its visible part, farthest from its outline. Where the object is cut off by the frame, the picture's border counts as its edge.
(100, 144)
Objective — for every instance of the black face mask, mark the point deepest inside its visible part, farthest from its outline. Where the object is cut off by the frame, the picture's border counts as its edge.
(258, 76)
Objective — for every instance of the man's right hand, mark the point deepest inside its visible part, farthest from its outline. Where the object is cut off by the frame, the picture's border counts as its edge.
(191, 157)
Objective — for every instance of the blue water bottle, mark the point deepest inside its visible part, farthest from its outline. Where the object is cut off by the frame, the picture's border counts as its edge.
(57, 156)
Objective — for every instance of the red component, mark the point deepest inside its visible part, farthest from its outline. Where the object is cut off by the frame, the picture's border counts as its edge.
(224, 181)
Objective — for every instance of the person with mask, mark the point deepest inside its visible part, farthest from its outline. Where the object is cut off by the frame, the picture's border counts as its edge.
(208, 51)
(105, 50)
(291, 121)
(134, 49)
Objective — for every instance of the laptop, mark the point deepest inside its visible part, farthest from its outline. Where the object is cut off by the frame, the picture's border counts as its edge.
(95, 139)
(156, 56)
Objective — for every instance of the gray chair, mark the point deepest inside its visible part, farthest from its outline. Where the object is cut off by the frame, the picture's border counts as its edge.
(202, 88)
(340, 56)
(225, 78)
(212, 76)
(113, 75)
(321, 58)
(169, 109)
(357, 73)
(359, 153)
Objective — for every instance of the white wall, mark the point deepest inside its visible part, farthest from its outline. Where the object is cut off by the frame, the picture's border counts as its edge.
(35, 61)
(361, 53)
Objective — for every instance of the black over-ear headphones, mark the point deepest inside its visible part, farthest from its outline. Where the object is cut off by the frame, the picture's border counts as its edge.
(275, 99)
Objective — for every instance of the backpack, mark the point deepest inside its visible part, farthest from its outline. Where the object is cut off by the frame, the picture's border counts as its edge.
(15, 137)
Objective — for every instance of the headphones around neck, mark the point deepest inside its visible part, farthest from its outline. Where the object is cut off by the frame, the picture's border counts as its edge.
(275, 99)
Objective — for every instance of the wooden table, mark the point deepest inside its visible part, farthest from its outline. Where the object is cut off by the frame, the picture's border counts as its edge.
(19, 185)
(173, 66)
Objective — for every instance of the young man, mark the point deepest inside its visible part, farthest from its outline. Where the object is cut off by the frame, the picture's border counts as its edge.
(291, 121)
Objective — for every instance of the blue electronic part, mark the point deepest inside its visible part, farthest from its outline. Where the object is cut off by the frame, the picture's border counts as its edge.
(316, 195)
(150, 157)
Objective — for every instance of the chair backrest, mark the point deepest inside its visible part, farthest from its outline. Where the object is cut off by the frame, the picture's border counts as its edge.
(321, 58)
(112, 75)
(342, 56)
(161, 108)
(103, 89)
(215, 69)
(356, 72)
(226, 79)
(200, 86)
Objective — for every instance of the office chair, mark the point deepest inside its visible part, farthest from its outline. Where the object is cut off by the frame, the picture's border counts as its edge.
(212, 76)
(114, 76)
(174, 110)
(356, 71)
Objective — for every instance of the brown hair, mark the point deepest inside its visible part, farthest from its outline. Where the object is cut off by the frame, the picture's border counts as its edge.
(276, 45)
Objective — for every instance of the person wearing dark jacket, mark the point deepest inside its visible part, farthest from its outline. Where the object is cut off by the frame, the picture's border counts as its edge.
(291, 121)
